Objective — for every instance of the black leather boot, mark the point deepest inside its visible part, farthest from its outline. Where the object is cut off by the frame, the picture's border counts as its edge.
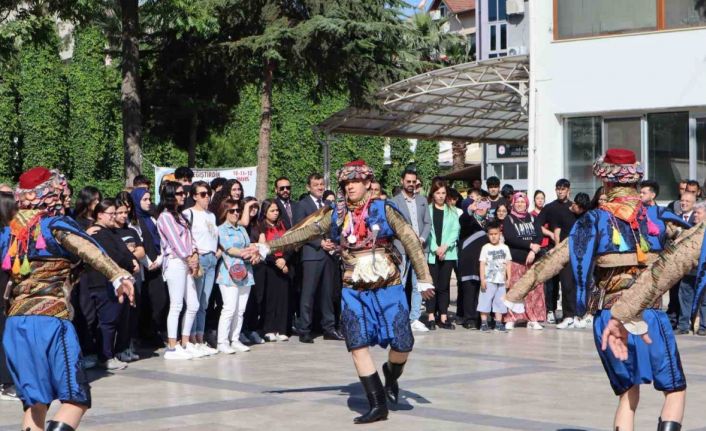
(58, 426)
(668, 425)
(376, 397)
(392, 372)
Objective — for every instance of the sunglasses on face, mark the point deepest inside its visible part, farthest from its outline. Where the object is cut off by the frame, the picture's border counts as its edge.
(233, 211)
(202, 194)
(179, 194)
(283, 188)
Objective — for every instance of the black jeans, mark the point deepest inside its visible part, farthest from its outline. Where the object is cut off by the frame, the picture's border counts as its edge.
(276, 286)
(255, 309)
(110, 314)
(551, 293)
(568, 292)
(154, 304)
(441, 277)
(470, 289)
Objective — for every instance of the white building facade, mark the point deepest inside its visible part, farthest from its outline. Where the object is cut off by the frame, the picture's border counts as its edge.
(616, 73)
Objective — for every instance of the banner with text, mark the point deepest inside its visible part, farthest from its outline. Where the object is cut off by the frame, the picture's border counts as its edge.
(246, 176)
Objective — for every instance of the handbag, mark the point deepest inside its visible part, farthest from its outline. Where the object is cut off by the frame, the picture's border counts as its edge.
(238, 271)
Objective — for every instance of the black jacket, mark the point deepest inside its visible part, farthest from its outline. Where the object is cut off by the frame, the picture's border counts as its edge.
(471, 239)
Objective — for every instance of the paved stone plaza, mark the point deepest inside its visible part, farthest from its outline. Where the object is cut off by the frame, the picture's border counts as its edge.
(456, 380)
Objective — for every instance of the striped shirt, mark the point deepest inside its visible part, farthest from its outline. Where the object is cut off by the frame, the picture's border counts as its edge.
(176, 239)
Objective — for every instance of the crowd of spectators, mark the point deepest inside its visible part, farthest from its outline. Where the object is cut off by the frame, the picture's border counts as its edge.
(197, 297)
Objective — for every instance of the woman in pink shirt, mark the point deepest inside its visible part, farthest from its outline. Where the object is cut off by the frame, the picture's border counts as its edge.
(178, 269)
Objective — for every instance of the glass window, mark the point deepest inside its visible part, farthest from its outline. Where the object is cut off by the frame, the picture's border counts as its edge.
(509, 171)
(583, 145)
(493, 38)
(576, 18)
(624, 133)
(442, 10)
(503, 36)
(701, 149)
(502, 9)
(492, 10)
(522, 171)
(684, 13)
(668, 151)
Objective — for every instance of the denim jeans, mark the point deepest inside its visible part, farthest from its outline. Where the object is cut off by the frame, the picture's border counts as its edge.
(204, 287)
(416, 304)
(686, 299)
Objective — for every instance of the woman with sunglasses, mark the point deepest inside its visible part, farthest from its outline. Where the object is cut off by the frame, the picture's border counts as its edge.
(205, 234)
(235, 277)
(109, 312)
(180, 265)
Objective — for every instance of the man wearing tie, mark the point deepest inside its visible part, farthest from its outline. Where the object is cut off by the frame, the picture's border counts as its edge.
(283, 189)
(685, 288)
(317, 269)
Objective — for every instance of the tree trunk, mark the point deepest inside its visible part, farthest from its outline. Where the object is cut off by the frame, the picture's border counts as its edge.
(263, 149)
(191, 146)
(458, 154)
(131, 103)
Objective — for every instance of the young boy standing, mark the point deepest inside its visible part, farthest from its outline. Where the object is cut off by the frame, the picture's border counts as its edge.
(494, 273)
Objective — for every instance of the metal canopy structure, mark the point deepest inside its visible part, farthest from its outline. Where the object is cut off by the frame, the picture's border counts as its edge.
(474, 102)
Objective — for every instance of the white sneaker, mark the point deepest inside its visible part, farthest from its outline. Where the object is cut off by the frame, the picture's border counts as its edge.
(239, 347)
(271, 337)
(226, 349)
(208, 350)
(589, 320)
(579, 323)
(509, 326)
(550, 318)
(194, 350)
(418, 326)
(535, 325)
(178, 353)
(113, 364)
(566, 323)
(282, 337)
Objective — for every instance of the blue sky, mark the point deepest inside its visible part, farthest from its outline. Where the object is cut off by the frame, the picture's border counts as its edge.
(412, 9)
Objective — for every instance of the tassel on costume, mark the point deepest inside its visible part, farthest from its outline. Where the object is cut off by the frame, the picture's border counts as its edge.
(641, 256)
(617, 238)
(16, 266)
(25, 269)
(7, 262)
(644, 245)
(652, 228)
(40, 244)
(623, 247)
(13, 248)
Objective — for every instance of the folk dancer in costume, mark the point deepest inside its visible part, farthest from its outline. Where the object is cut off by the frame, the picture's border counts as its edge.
(41, 249)
(608, 248)
(374, 306)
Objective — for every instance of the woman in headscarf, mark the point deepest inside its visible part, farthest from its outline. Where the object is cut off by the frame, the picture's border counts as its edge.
(523, 236)
(471, 239)
(154, 297)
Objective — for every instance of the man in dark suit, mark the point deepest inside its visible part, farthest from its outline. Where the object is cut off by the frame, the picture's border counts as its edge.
(283, 189)
(681, 296)
(317, 269)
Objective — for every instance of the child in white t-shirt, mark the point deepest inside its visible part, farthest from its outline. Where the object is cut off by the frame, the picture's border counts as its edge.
(494, 273)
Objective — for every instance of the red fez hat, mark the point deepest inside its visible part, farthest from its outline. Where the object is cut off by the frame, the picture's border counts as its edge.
(620, 156)
(34, 177)
(359, 162)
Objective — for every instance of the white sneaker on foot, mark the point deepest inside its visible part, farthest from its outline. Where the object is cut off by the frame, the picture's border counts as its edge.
(113, 364)
(271, 337)
(226, 349)
(195, 351)
(509, 326)
(239, 347)
(282, 337)
(178, 353)
(418, 326)
(550, 318)
(589, 320)
(579, 323)
(205, 348)
(566, 323)
(535, 325)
